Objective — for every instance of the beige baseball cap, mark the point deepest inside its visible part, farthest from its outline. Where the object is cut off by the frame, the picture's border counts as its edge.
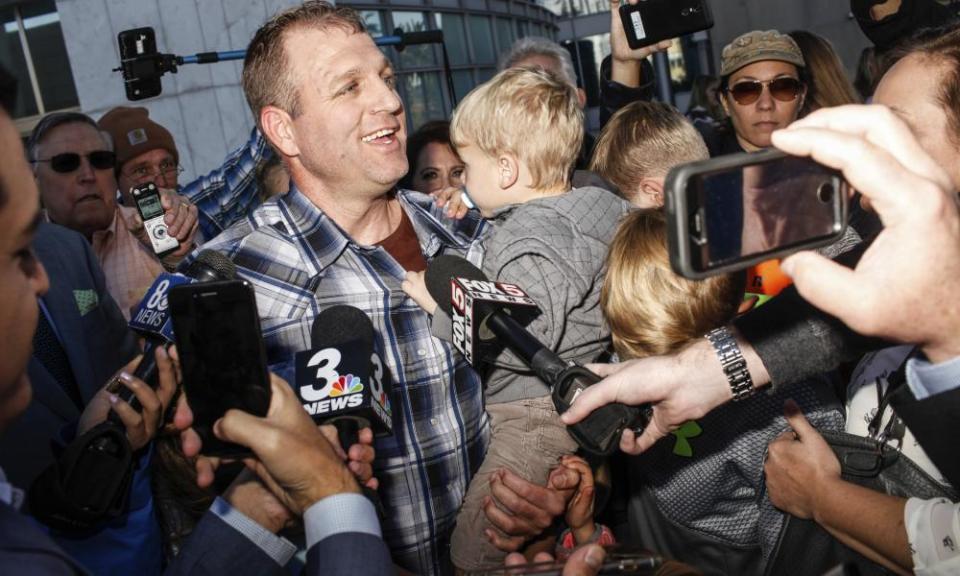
(757, 46)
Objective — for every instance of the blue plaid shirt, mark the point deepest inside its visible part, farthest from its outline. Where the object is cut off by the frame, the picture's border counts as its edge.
(300, 262)
(231, 191)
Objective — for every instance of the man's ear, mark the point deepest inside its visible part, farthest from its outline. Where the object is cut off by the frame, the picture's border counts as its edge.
(509, 169)
(651, 193)
(277, 128)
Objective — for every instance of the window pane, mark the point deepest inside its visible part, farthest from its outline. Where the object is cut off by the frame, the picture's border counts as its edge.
(462, 83)
(481, 36)
(485, 74)
(11, 57)
(504, 34)
(419, 55)
(424, 100)
(523, 28)
(454, 37)
(49, 52)
(373, 21)
(562, 7)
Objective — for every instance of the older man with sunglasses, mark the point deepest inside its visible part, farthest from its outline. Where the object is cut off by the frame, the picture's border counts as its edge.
(762, 88)
(74, 166)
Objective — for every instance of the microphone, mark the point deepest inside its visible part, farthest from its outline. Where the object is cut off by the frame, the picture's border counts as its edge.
(342, 379)
(481, 310)
(152, 318)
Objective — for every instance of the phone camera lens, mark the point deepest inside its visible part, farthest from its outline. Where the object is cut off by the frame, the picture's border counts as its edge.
(825, 192)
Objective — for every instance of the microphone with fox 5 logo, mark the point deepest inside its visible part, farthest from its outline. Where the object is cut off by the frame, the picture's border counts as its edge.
(481, 311)
(341, 380)
(152, 321)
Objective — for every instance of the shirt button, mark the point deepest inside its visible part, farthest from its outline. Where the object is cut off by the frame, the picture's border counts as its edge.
(435, 421)
(421, 352)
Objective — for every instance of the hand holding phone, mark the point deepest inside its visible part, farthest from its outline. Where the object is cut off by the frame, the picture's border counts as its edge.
(651, 21)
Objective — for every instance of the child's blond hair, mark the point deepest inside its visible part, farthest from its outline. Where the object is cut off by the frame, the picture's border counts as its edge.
(528, 112)
(652, 311)
(645, 140)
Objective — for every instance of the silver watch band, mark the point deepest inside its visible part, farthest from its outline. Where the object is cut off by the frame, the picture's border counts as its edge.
(732, 362)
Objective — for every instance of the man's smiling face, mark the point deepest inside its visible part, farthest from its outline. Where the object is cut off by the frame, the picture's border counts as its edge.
(351, 130)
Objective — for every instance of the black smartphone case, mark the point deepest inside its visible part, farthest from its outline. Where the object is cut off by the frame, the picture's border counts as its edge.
(138, 52)
(254, 400)
(652, 21)
(680, 210)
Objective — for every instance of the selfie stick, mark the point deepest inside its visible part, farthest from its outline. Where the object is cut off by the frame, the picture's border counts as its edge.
(400, 39)
(146, 65)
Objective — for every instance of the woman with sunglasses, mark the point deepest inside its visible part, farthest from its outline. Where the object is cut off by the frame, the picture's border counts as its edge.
(762, 89)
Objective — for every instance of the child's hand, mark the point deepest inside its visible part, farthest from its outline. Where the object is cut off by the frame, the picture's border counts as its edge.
(451, 198)
(416, 287)
(579, 514)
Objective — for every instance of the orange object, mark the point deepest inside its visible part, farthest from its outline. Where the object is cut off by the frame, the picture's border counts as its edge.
(767, 279)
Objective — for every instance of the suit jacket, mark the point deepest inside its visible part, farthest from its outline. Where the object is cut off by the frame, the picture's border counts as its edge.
(933, 422)
(213, 548)
(94, 336)
(97, 342)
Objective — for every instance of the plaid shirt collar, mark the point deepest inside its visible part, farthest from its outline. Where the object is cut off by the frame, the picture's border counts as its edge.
(323, 241)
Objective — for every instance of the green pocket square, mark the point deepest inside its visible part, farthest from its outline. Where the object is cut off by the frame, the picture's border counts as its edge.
(87, 300)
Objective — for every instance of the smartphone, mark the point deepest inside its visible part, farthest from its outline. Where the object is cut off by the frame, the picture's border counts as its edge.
(652, 21)
(217, 330)
(730, 212)
(140, 63)
(147, 198)
(638, 563)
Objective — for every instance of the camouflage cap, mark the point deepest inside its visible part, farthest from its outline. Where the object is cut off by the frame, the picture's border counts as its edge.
(756, 46)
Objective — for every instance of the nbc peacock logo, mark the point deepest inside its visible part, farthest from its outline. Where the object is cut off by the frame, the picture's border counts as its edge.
(385, 401)
(344, 385)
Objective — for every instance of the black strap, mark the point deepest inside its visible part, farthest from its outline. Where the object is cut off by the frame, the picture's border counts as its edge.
(894, 429)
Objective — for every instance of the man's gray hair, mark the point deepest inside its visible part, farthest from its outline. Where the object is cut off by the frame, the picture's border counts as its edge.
(55, 119)
(539, 46)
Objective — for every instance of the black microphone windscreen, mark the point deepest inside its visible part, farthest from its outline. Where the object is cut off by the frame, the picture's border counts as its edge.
(342, 323)
(212, 265)
(441, 270)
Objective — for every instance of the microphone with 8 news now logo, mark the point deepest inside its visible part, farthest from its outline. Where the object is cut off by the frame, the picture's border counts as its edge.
(152, 320)
(489, 315)
(341, 380)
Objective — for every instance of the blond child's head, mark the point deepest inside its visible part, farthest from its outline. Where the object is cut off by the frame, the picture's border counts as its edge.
(518, 135)
(640, 144)
(650, 310)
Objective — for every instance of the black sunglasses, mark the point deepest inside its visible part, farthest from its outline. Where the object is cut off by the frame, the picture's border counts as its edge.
(784, 89)
(70, 161)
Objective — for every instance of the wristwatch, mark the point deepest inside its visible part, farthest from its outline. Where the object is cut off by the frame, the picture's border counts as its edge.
(732, 362)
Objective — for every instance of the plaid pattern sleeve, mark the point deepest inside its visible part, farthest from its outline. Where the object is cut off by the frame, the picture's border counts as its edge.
(300, 262)
(231, 191)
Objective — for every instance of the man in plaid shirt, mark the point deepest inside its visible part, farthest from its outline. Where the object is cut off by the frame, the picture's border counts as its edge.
(324, 96)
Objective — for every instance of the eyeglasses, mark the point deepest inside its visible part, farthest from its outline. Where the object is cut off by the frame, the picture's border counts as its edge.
(784, 89)
(165, 169)
(70, 161)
